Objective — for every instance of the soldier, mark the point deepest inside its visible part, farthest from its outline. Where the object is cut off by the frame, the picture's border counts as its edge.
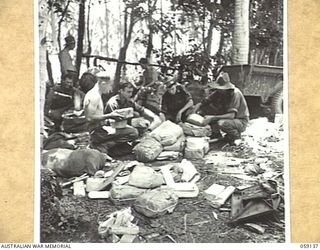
(234, 118)
(177, 102)
(59, 100)
(66, 64)
(149, 74)
(103, 136)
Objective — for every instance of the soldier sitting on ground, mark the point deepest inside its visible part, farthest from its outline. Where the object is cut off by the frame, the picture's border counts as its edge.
(60, 99)
(124, 99)
(103, 137)
(88, 79)
(151, 98)
(177, 102)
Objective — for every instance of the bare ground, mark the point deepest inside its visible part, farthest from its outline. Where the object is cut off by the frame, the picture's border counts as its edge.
(66, 218)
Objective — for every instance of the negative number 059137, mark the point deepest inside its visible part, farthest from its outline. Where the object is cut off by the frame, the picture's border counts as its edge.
(305, 245)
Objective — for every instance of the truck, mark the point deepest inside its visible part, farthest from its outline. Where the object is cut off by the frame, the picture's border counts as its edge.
(262, 86)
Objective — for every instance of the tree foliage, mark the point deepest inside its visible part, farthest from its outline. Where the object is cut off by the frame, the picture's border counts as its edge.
(266, 28)
(176, 33)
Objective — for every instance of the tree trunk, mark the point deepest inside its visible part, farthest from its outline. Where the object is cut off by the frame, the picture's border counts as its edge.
(271, 56)
(150, 45)
(81, 29)
(125, 35)
(174, 28)
(221, 42)
(88, 34)
(261, 56)
(256, 56)
(42, 60)
(162, 36)
(150, 35)
(49, 69)
(204, 29)
(42, 90)
(123, 53)
(125, 25)
(240, 48)
(107, 29)
(275, 59)
(120, 26)
(209, 37)
(60, 22)
(53, 29)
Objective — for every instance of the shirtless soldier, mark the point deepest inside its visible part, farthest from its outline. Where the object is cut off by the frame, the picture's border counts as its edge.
(102, 135)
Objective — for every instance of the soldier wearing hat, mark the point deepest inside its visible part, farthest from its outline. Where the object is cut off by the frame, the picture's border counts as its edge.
(177, 102)
(66, 64)
(233, 115)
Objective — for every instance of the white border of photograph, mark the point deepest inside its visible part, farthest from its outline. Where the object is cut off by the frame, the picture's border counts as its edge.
(97, 246)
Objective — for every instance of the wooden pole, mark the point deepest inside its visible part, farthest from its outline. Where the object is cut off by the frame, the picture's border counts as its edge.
(109, 59)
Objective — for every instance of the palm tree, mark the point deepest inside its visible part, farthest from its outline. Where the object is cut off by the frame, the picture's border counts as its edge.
(240, 49)
(42, 54)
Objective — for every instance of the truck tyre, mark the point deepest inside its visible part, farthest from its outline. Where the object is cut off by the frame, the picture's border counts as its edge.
(277, 102)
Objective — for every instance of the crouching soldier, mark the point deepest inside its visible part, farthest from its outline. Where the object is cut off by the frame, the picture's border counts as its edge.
(231, 117)
(103, 137)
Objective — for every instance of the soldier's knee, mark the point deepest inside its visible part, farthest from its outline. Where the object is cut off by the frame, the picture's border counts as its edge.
(133, 133)
(225, 125)
(220, 123)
